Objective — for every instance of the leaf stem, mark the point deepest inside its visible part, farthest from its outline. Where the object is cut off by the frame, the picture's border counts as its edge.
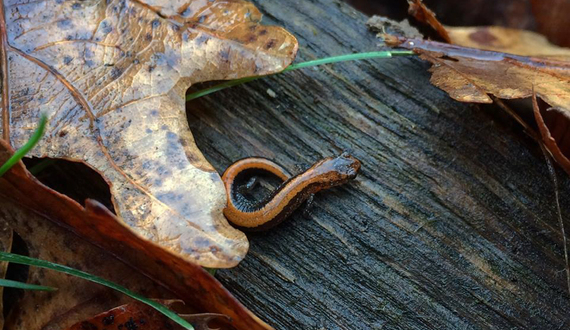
(24, 260)
(20, 153)
(326, 60)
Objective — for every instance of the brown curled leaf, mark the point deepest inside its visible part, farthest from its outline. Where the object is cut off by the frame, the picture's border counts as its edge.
(130, 316)
(6, 236)
(423, 14)
(202, 321)
(554, 126)
(112, 75)
(141, 317)
(93, 240)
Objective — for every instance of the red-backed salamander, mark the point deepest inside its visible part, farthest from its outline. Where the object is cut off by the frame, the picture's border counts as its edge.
(248, 215)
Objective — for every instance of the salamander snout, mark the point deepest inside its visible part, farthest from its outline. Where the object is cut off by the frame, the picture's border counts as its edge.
(346, 165)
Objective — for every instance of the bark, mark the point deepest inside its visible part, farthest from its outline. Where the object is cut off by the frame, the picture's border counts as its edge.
(451, 223)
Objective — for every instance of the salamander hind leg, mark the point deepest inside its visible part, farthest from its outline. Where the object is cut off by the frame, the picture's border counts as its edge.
(307, 205)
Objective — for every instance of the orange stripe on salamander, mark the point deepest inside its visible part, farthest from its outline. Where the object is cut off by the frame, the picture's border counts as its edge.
(324, 174)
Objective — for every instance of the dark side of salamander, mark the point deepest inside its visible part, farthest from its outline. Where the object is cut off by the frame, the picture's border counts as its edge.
(269, 212)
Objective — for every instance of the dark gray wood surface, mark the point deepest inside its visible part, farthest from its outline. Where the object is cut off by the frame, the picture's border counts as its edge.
(450, 225)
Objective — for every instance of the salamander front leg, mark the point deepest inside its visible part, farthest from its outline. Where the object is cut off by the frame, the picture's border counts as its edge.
(249, 185)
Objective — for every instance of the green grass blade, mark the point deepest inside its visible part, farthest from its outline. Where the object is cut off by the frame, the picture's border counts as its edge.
(19, 259)
(219, 87)
(327, 60)
(349, 57)
(20, 153)
(211, 271)
(25, 286)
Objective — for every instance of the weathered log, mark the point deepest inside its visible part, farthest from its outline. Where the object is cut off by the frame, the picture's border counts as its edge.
(451, 224)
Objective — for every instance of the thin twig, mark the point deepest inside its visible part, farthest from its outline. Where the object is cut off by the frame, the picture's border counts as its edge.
(533, 134)
(529, 130)
(552, 171)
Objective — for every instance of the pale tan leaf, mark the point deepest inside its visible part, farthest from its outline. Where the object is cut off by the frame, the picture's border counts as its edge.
(112, 76)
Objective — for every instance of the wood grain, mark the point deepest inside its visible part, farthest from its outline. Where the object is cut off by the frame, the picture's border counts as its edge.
(451, 224)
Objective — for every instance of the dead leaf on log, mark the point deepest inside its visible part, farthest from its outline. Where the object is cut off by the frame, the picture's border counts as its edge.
(516, 64)
(500, 39)
(112, 76)
(469, 75)
(93, 240)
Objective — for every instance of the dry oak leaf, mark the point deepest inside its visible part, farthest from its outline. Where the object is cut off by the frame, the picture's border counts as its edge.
(54, 227)
(112, 75)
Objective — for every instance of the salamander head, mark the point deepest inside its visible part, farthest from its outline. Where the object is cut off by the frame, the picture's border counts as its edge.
(337, 170)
